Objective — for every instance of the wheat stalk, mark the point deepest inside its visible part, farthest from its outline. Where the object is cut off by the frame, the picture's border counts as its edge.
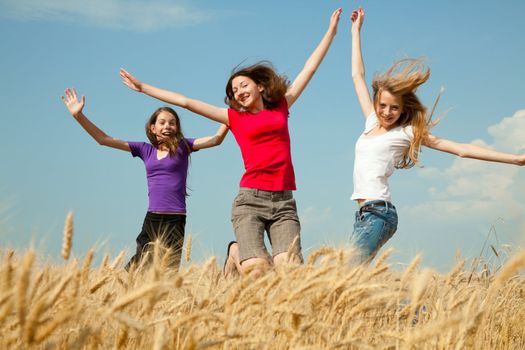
(22, 287)
(118, 260)
(408, 271)
(134, 296)
(187, 248)
(88, 260)
(8, 270)
(68, 236)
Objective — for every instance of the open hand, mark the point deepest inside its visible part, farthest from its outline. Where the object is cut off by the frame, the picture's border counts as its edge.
(357, 17)
(71, 101)
(132, 82)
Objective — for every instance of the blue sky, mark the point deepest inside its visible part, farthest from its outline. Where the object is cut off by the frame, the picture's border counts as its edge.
(475, 50)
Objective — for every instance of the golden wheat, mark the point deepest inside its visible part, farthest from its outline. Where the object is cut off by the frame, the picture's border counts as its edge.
(187, 249)
(68, 236)
(323, 304)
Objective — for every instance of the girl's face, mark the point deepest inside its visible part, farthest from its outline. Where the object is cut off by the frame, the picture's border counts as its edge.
(165, 126)
(247, 93)
(389, 109)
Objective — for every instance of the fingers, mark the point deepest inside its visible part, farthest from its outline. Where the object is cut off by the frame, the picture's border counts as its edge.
(128, 84)
(354, 15)
(358, 15)
(126, 75)
(336, 15)
(130, 81)
(123, 73)
(70, 95)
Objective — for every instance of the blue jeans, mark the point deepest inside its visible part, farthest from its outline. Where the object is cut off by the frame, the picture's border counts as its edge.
(375, 224)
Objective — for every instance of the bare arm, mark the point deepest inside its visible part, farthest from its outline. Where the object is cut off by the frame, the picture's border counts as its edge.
(211, 141)
(465, 150)
(301, 81)
(75, 108)
(206, 110)
(358, 66)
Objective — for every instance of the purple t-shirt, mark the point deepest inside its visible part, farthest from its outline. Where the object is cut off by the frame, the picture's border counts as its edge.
(166, 176)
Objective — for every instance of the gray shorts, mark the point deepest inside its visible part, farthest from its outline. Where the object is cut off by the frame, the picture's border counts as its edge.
(255, 211)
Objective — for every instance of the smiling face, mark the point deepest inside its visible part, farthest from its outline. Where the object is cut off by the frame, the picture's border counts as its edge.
(247, 93)
(165, 126)
(388, 108)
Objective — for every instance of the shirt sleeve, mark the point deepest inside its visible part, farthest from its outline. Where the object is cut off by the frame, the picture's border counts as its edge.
(190, 143)
(283, 105)
(409, 131)
(371, 122)
(232, 117)
(138, 149)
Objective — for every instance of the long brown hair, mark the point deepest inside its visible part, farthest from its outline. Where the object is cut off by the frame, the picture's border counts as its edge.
(172, 143)
(402, 79)
(262, 73)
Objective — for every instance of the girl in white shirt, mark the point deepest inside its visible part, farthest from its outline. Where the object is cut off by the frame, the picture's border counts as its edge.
(397, 124)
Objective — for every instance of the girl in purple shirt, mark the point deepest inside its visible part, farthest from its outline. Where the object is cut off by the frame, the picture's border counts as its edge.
(166, 162)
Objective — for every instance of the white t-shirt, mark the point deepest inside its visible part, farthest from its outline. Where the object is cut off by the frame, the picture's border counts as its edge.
(376, 157)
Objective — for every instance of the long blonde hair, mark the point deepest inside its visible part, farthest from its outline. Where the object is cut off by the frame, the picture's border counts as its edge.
(402, 79)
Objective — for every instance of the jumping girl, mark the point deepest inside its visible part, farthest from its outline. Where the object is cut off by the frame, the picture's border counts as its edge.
(397, 124)
(166, 161)
(259, 100)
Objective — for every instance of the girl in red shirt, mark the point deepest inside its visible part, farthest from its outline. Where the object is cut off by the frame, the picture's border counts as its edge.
(259, 100)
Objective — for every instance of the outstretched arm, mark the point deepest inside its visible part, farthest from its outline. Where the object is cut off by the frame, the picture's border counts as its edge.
(75, 108)
(358, 67)
(206, 110)
(211, 141)
(311, 65)
(465, 150)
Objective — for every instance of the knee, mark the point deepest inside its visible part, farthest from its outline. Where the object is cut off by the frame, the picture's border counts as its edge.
(255, 267)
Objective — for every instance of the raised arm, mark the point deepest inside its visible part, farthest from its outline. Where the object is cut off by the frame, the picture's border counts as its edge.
(358, 67)
(211, 141)
(299, 84)
(75, 108)
(464, 150)
(206, 110)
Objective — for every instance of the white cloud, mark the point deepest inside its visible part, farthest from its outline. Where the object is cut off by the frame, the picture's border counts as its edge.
(130, 15)
(485, 188)
(313, 217)
(509, 133)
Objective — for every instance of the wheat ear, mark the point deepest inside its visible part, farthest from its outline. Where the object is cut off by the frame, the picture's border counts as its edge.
(68, 236)
(187, 248)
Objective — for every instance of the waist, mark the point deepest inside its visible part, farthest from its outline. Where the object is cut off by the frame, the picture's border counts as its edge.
(271, 195)
(269, 182)
(166, 213)
(375, 203)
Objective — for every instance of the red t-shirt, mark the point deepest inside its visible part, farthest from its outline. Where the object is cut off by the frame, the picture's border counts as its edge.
(265, 146)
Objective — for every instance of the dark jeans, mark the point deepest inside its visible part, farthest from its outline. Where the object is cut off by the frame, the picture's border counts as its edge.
(169, 229)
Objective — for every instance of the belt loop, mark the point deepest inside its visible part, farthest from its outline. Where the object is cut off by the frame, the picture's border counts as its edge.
(387, 205)
(256, 192)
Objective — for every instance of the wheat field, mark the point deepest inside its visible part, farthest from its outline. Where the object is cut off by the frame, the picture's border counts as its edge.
(322, 304)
